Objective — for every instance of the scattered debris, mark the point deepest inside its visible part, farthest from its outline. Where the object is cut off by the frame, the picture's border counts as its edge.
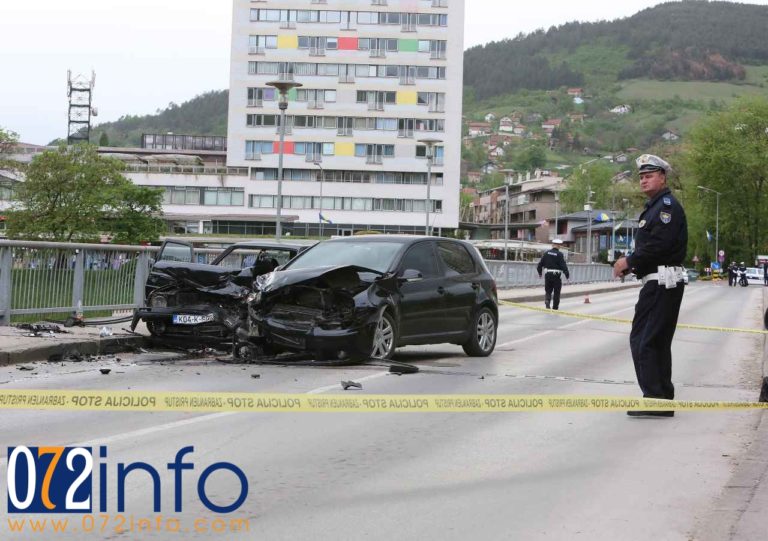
(256, 376)
(105, 331)
(105, 371)
(346, 385)
(403, 368)
(481, 377)
(24, 367)
(75, 321)
(41, 329)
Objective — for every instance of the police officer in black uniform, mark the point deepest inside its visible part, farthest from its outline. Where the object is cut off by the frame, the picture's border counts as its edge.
(553, 264)
(660, 247)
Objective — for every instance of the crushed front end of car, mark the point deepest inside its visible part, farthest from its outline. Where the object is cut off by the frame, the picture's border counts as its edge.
(202, 303)
(329, 313)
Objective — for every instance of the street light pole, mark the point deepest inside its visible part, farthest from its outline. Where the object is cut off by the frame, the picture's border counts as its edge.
(430, 144)
(506, 221)
(717, 218)
(320, 209)
(282, 87)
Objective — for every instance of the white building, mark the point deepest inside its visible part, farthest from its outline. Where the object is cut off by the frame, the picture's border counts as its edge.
(377, 77)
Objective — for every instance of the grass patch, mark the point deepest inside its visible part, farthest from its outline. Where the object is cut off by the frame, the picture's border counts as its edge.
(644, 89)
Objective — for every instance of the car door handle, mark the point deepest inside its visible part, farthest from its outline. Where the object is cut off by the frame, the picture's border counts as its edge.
(441, 290)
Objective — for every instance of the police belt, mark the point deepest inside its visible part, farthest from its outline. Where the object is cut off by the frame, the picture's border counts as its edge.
(668, 277)
(553, 271)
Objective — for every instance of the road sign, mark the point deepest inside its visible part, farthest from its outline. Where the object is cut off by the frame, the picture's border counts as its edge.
(721, 253)
(721, 258)
(715, 266)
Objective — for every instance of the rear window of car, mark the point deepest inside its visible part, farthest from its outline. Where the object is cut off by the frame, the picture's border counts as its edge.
(456, 258)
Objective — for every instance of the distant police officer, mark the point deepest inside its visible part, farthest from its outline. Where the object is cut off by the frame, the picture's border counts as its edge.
(732, 271)
(659, 253)
(553, 265)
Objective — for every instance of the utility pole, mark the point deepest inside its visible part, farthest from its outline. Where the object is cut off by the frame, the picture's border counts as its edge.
(588, 208)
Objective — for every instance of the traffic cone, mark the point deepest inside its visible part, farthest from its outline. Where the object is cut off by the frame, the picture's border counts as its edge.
(586, 299)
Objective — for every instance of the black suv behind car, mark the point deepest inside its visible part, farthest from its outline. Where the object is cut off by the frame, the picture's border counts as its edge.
(362, 297)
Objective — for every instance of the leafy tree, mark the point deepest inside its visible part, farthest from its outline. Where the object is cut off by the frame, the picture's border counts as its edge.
(595, 177)
(104, 140)
(727, 152)
(74, 193)
(532, 156)
(8, 140)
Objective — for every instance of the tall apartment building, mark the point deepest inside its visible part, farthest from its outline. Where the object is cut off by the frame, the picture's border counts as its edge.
(377, 76)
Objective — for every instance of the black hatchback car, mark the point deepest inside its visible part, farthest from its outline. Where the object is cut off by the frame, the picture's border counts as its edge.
(362, 297)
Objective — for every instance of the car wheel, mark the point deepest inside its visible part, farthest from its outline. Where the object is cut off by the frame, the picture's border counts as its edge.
(483, 338)
(156, 328)
(384, 338)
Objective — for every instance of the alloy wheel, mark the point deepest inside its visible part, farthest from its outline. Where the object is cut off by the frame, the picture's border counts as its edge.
(383, 338)
(486, 331)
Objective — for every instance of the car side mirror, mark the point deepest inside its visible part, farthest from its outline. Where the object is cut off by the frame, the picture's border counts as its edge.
(411, 275)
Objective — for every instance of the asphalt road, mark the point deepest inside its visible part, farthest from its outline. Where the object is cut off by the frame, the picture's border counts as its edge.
(433, 476)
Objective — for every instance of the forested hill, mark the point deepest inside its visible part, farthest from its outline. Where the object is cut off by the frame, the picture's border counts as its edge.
(205, 114)
(688, 40)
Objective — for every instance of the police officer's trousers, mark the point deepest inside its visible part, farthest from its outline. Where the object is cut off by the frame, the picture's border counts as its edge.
(552, 286)
(651, 338)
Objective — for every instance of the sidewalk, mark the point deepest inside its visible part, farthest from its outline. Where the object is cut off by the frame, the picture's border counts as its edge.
(534, 294)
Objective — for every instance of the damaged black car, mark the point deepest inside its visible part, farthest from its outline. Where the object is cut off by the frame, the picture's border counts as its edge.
(205, 301)
(358, 298)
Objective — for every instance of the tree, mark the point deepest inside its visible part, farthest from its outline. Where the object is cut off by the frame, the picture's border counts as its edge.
(532, 156)
(595, 177)
(727, 152)
(8, 141)
(74, 193)
(104, 139)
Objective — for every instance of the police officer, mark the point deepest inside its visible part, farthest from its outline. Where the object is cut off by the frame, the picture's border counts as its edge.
(732, 271)
(742, 274)
(553, 264)
(660, 248)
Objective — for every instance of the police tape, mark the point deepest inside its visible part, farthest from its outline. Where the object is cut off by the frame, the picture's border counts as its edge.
(578, 315)
(208, 402)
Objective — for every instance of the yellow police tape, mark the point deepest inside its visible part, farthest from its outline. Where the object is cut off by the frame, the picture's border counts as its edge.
(206, 402)
(577, 315)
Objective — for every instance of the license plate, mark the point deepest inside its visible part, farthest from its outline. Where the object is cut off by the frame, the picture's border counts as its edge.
(189, 319)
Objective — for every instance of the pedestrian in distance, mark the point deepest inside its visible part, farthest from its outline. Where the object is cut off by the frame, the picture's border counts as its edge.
(660, 247)
(553, 266)
(765, 274)
(732, 271)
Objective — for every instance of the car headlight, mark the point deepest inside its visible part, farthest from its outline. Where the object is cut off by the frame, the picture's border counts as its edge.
(159, 301)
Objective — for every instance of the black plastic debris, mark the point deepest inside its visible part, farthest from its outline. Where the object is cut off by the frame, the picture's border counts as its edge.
(256, 376)
(402, 368)
(24, 367)
(105, 371)
(346, 385)
(42, 329)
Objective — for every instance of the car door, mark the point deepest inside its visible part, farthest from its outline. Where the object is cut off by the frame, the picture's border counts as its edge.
(461, 280)
(421, 301)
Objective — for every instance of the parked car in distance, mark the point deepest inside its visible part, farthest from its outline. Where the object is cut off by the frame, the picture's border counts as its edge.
(361, 297)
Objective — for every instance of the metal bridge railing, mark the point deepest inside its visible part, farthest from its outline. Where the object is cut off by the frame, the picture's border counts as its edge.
(523, 274)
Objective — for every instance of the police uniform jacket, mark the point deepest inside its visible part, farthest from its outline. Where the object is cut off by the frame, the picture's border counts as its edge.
(553, 260)
(662, 235)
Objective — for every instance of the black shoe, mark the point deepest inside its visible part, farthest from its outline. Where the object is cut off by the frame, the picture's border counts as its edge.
(546, 305)
(670, 413)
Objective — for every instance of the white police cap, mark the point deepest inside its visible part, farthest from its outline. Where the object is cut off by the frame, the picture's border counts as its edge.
(557, 242)
(649, 162)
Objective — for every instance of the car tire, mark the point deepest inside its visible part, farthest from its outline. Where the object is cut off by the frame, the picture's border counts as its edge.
(384, 338)
(482, 341)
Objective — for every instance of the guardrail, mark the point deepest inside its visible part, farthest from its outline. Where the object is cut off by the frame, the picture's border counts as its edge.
(56, 280)
(522, 274)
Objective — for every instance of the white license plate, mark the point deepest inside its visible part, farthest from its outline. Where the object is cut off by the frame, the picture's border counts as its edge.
(188, 319)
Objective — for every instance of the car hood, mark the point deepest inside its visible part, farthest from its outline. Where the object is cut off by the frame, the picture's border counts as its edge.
(343, 276)
(203, 274)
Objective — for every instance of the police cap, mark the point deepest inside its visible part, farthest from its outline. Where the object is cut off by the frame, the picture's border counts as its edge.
(648, 163)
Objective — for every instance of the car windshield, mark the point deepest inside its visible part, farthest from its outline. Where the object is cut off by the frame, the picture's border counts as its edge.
(377, 256)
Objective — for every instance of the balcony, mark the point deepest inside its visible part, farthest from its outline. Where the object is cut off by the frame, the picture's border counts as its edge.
(347, 79)
(438, 160)
(317, 51)
(288, 25)
(439, 3)
(253, 49)
(315, 104)
(437, 55)
(407, 80)
(314, 157)
(255, 103)
(436, 108)
(405, 133)
(378, 2)
(288, 130)
(374, 159)
(378, 53)
(344, 132)
(375, 106)
(285, 76)
(253, 156)
(319, 2)
(409, 27)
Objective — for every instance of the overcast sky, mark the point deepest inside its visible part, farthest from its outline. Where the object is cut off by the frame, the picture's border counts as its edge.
(148, 53)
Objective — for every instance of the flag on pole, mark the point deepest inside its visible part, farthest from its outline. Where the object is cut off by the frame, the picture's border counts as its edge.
(323, 219)
(602, 217)
(709, 236)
